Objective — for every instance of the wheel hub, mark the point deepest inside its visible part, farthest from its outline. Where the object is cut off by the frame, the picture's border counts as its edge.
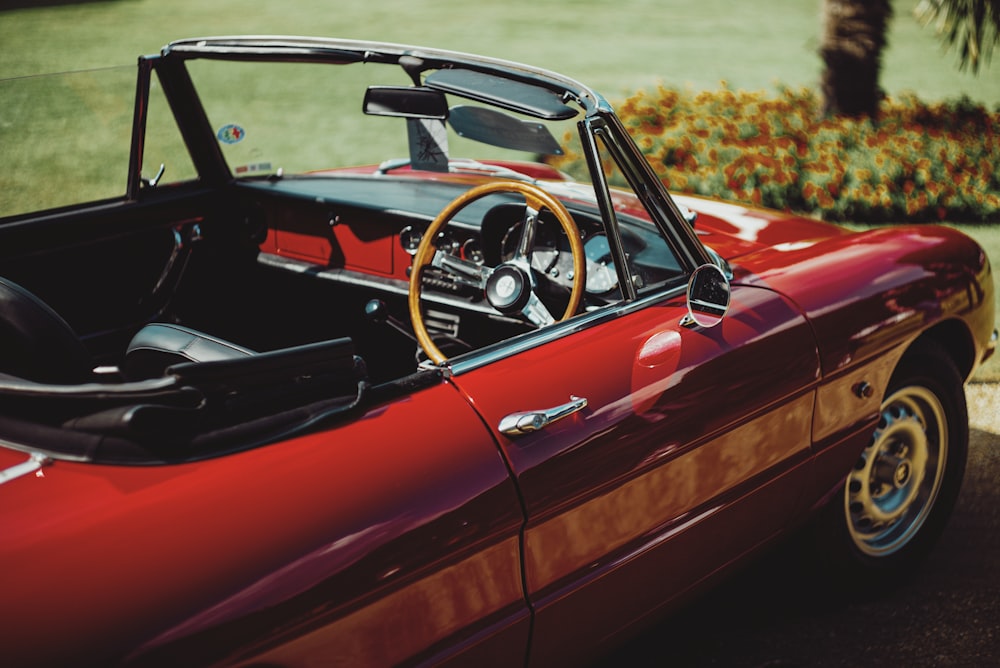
(894, 483)
(893, 470)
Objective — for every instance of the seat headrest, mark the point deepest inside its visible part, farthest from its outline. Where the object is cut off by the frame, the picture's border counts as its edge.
(35, 342)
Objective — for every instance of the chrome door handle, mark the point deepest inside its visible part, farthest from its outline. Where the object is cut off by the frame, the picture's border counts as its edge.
(517, 424)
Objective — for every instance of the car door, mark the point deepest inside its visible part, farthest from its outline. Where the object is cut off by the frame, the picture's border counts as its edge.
(691, 449)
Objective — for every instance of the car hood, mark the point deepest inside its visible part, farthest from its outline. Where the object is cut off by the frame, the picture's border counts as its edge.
(735, 231)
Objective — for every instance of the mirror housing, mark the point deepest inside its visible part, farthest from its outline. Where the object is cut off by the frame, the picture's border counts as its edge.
(405, 102)
(708, 296)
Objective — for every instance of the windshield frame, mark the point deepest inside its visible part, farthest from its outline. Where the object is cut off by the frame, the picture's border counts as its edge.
(417, 62)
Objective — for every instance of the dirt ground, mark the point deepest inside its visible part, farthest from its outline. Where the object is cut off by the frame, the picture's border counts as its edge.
(948, 615)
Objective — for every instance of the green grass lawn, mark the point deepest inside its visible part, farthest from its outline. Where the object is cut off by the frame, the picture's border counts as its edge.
(988, 237)
(616, 46)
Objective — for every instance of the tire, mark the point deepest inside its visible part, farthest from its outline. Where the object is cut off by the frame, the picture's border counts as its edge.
(899, 495)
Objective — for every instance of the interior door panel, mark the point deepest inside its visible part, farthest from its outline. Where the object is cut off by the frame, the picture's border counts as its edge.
(108, 268)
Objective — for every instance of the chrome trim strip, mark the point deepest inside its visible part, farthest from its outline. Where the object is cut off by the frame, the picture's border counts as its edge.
(34, 463)
(503, 349)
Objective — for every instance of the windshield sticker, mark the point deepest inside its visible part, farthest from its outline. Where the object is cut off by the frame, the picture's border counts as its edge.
(255, 167)
(231, 134)
(428, 144)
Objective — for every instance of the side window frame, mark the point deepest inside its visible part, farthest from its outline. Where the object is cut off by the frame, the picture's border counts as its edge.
(188, 114)
(599, 137)
(183, 107)
(590, 129)
(142, 86)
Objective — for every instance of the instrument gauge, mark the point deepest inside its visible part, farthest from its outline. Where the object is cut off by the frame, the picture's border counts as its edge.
(446, 242)
(409, 239)
(472, 251)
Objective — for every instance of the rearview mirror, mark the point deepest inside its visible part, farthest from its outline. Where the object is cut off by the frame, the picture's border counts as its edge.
(405, 102)
(707, 296)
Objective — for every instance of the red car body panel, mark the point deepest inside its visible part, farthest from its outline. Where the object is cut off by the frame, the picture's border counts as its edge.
(348, 555)
(893, 282)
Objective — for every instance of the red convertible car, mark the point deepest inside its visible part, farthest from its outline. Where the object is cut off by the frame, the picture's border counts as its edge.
(347, 373)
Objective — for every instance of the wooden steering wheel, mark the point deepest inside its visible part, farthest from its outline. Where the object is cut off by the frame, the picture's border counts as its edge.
(508, 287)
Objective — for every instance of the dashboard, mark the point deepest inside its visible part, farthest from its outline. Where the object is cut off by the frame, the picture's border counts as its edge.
(364, 230)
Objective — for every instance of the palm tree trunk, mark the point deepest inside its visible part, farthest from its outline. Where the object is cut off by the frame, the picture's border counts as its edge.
(854, 35)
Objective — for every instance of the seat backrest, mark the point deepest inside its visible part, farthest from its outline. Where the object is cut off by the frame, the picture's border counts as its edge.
(35, 342)
(160, 345)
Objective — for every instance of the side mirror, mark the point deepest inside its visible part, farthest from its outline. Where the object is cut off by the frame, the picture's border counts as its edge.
(707, 296)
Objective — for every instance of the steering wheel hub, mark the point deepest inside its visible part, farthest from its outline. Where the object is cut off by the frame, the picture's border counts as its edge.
(508, 289)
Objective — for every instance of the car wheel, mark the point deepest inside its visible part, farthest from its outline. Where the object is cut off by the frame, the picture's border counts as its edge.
(898, 496)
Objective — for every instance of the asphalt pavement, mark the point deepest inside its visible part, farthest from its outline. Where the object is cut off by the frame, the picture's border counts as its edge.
(770, 616)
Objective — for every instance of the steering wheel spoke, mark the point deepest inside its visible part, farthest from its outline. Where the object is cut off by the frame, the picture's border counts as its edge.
(536, 312)
(526, 241)
(462, 271)
(509, 287)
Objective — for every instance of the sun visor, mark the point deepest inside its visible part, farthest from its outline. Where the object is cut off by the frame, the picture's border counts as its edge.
(496, 128)
(505, 93)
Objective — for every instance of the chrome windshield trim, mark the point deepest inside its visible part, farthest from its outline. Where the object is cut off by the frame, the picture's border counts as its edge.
(35, 462)
(277, 47)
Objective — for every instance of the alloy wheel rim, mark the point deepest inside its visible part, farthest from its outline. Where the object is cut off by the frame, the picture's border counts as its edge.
(896, 480)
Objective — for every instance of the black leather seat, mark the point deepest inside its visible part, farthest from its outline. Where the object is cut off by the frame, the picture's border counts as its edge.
(160, 345)
(37, 344)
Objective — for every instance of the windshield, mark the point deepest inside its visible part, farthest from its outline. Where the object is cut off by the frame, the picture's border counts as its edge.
(301, 118)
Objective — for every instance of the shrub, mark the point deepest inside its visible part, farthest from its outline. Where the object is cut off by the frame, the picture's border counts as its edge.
(914, 162)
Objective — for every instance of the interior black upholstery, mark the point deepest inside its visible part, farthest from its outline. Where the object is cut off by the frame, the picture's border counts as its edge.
(35, 342)
(160, 345)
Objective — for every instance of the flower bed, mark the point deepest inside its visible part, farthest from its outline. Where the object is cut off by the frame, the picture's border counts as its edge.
(915, 162)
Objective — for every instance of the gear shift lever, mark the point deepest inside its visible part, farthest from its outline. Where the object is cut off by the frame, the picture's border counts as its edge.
(376, 312)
